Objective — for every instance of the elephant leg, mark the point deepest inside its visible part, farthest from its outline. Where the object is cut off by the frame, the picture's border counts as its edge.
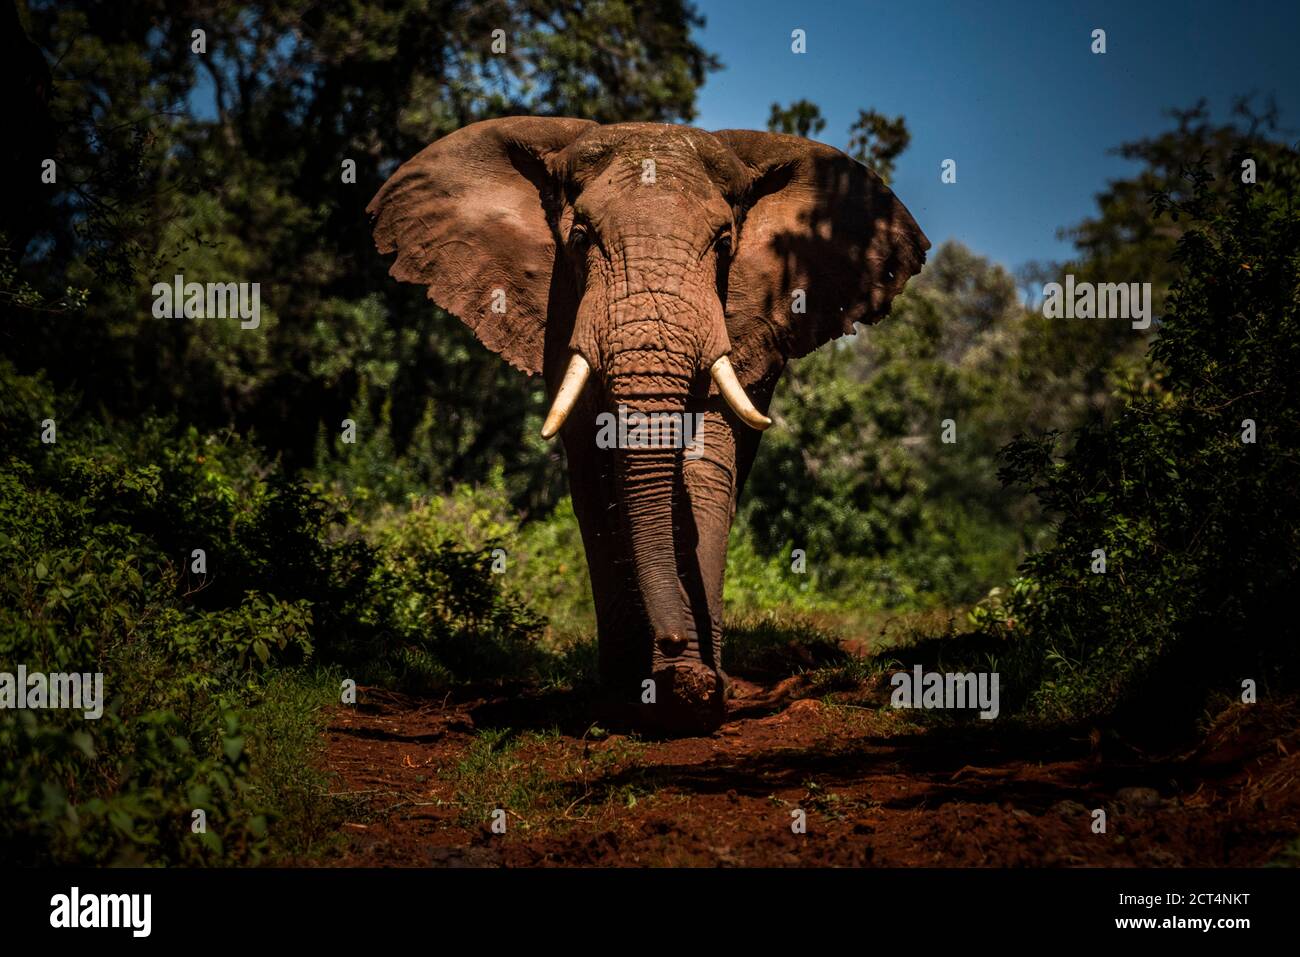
(710, 489)
(622, 633)
(690, 682)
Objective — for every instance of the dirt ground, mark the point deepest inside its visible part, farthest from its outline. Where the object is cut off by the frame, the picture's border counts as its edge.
(422, 780)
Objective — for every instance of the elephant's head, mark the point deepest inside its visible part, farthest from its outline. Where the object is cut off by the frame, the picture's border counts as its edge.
(650, 269)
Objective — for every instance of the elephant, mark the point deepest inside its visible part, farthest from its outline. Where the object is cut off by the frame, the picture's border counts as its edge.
(668, 273)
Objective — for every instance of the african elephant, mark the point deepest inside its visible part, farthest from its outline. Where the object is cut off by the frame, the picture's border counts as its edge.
(656, 270)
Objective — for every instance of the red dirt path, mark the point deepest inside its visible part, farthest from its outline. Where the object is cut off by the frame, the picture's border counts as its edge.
(877, 789)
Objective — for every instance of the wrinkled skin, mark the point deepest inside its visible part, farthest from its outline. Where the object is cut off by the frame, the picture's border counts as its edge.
(555, 237)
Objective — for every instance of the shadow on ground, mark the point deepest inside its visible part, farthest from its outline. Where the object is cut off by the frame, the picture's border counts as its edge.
(795, 780)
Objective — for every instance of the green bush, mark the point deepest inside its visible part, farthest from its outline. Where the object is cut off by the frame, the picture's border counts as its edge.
(99, 528)
(95, 586)
(1200, 528)
(858, 473)
(543, 561)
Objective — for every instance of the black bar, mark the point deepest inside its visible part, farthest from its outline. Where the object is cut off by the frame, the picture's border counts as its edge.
(332, 906)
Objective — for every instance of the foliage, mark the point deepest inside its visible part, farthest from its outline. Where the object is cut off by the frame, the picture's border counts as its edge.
(99, 530)
(859, 474)
(95, 585)
(874, 139)
(1198, 522)
(1129, 239)
(800, 118)
(227, 164)
(878, 141)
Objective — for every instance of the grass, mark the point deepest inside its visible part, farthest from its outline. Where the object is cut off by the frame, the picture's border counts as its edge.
(541, 780)
(285, 742)
(769, 646)
(497, 771)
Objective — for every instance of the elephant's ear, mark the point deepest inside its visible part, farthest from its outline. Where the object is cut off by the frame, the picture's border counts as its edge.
(466, 219)
(817, 222)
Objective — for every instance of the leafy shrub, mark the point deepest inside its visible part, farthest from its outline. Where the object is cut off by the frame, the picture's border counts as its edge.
(1200, 528)
(442, 603)
(99, 530)
(858, 474)
(91, 589)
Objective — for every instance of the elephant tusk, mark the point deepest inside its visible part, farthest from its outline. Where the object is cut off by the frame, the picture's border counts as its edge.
(734, 393)
(575, 377)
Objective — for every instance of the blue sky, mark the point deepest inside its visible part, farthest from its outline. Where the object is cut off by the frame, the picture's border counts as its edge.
(1010, 91)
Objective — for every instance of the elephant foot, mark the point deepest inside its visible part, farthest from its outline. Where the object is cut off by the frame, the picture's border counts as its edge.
(689, 699)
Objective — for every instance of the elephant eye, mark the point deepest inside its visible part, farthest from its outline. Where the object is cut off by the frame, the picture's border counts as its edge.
(579, 236)
(723, 244)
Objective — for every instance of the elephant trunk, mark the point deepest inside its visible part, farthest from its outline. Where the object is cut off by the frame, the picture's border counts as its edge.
(663, 347)
(648, 479)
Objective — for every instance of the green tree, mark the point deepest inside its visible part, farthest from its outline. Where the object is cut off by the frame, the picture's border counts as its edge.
(883, 466)
(800, 118)
(874, 139)
(878, 141)
(224, 160)
(1129, 240)
(1189, 494)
